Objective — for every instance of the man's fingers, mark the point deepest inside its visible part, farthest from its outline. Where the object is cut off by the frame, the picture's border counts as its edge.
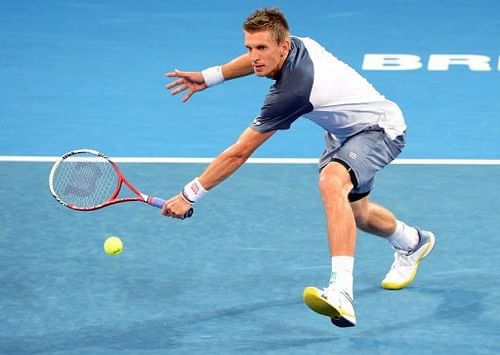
(173, 215)
(173, 208)
(175, 73)
(188, 96)
(179, 89)
(166, 211)
(175, 83)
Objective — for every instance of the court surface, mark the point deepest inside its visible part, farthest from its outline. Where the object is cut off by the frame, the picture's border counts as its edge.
(229, 281)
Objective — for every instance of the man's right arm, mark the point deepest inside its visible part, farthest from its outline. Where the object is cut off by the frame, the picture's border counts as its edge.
(220, 169)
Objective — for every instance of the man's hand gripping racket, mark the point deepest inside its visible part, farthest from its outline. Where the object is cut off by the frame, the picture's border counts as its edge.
(86, 180)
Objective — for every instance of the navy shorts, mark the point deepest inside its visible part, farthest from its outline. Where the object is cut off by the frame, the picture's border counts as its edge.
(363, 155)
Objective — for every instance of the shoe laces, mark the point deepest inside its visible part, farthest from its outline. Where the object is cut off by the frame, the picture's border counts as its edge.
(331, 289)
(400, 259)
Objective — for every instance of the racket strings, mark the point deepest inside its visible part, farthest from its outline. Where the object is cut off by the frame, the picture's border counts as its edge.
(85, 180)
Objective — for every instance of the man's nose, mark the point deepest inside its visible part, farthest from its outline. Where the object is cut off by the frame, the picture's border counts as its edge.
(254, 57)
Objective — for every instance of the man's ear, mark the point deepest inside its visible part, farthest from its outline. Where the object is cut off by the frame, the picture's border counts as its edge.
(285, 47)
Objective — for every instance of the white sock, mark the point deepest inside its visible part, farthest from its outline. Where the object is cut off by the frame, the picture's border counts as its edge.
(342, 269)
(404, 237)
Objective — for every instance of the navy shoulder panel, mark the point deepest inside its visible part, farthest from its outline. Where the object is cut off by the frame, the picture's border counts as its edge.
(288, 98)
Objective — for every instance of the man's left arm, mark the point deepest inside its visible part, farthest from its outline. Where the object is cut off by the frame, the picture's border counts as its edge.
(220, 169)
(198, 81)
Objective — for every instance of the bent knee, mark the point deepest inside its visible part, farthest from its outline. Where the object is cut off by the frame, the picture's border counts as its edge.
(335, 180)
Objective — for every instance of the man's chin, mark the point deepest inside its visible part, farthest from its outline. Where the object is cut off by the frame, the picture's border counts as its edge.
(259, 72)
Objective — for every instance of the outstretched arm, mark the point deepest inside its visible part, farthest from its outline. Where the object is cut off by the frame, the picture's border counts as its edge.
(221, 168)
(195, 81)
(233, 157)
(238, 67)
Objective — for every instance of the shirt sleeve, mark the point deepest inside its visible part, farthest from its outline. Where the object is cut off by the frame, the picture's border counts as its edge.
(280, 110)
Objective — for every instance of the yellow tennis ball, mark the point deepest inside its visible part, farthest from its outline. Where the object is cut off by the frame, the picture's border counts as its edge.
(113, 246)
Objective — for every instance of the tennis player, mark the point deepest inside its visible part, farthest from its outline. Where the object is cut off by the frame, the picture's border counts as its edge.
(364, 132)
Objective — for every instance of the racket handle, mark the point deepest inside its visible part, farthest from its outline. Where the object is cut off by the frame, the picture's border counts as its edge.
(158, 202)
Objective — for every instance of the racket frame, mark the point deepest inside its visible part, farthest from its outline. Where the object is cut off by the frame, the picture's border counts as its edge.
(114, 199)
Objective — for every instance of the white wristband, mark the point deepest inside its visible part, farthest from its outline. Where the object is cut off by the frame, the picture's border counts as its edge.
(213, 75)
(193, 191)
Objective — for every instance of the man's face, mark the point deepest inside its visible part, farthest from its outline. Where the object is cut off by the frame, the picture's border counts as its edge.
(266, 55)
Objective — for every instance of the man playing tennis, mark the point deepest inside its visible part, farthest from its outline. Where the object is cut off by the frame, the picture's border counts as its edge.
(363, 133)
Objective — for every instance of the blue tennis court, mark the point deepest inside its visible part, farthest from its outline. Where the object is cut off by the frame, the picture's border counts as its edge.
(229, 281)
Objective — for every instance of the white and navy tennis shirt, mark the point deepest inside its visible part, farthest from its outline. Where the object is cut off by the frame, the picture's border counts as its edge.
(315, 84)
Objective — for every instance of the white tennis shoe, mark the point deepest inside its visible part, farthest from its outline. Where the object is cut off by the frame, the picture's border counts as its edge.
(333, 303)
(404, 268)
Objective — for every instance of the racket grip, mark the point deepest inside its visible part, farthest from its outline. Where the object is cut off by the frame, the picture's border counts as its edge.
(158, 202)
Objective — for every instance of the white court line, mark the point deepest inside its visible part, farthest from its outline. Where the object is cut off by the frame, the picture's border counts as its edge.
(181, 160)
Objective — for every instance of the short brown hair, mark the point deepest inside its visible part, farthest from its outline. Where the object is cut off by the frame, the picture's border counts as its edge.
(268, 19)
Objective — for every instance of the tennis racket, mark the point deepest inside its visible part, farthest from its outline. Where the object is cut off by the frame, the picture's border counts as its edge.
(86, 180)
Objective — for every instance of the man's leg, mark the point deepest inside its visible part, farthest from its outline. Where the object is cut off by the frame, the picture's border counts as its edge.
(336, 301)
(373, 218)
(411, 245)
(334, 185)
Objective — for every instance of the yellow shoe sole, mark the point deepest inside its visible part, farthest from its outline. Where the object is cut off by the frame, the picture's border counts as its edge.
(398, 286)
(314, 300)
